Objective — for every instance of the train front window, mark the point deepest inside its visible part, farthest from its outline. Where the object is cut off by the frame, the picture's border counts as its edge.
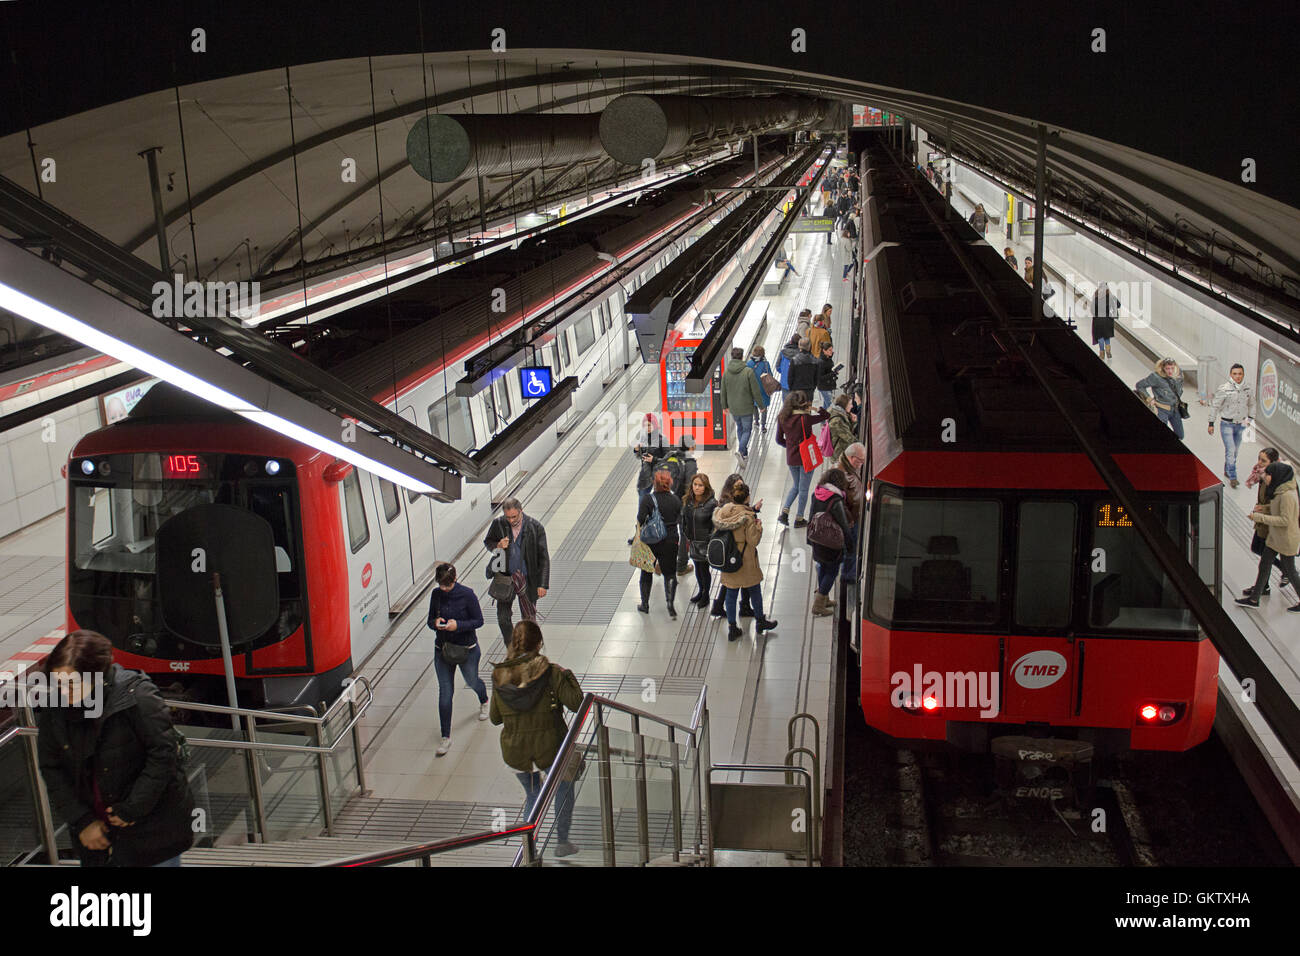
(1044, 563)
(936, 561)
(1128, 590)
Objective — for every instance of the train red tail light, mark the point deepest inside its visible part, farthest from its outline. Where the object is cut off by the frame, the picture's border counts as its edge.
(1148, 712)
(1158, 713)
(930, 703)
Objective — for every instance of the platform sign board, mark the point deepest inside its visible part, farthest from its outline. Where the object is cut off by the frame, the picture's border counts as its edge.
(534, 382)
(1277, 398)
(813, 224)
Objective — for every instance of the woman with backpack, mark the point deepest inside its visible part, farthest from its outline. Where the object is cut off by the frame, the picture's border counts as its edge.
(724, 495)
(658, 515)
(759, 363)
(828, 530)
(795, 426)
(529, 695)
(741, 520)
(788, 353)
(111, 759)
(697, 522)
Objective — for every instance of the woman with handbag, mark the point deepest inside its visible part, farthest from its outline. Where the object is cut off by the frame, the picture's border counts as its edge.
(529, 695)
(697, 522)
(828, 529)
(795, 430)
(455, 616)
(1280, 514)
(1166, 395)
(1266, 457)
(657, 516)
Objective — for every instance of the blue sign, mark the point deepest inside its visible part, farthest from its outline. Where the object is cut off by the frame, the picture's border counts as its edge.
(534, 382)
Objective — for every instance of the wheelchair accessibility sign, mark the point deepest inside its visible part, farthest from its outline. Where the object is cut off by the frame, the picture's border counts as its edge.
(534, 382)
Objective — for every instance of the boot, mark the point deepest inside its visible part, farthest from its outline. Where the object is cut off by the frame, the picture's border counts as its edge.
(819, 608)
(670, 591)
(644, 606)
(764, 624)
(1108, 356)
(745, 609)
(784, 516)
(733, 632)
(719, 610)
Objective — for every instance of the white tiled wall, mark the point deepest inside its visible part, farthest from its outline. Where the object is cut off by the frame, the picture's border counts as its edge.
(31, 485)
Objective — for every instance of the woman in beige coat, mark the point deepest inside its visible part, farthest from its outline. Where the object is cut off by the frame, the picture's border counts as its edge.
(1280, 512)
(739, 518)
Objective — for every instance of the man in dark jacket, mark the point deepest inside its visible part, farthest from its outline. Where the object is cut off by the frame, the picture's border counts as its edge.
(803, 369)
(521, 543)
(117, 779)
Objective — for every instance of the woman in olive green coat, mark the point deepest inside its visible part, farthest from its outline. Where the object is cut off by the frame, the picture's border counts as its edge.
(529, 695)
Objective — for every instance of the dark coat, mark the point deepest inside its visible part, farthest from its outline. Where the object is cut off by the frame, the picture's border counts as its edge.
(670, 509)
(1103, 315)
(795, 430)
(461, 605)
(803, 373)
(131, 754)
(536, 555)
(697, 520)
(826, 373)
(834, 504)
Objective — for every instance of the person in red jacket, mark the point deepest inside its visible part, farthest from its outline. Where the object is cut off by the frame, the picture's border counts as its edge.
(795, 425)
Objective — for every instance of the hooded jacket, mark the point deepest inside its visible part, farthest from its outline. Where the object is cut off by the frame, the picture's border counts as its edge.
(1282, 518)
(529, 695)
(131, 755)
(783, 364)
(760, 368)
(842, 435)
(1167, 392)
(741, 393)
(817, 337)
(741, 521)
(1234, 402)
(803, 372)
(829, 498)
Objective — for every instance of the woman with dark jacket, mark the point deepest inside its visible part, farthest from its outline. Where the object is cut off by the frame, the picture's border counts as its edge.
(1105, 306)
(1280, 516)
(111, 759)
(529, 695)
(826, 374)
(455, 616)
(665, 551)
(697, 522)
(796, 423)
(829, 497)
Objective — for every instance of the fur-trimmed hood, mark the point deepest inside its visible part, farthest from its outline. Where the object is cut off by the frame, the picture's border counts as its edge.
(518, 674)
(731, 516)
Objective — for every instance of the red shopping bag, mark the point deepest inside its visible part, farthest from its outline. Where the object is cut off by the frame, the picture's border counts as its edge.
(809, 453)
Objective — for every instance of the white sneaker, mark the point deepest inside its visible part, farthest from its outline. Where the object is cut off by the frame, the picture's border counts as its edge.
(443, 747)
(483, 709)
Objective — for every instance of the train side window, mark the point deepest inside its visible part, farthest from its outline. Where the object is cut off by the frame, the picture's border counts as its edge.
(563, 339)
(358, 529)
(449, 420)
(1128, 589)
(490, 410)
(1045, 563)
(388, 494)
(1207, 543)
(585, 333)
(503, 398)
(101, 506)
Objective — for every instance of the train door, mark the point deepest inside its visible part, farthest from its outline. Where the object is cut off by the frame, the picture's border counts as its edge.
(492, 421)
(367, 574)
(419, 522)
(396, 539)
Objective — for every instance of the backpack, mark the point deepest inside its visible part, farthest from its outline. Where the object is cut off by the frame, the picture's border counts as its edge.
(724, 553)
(654, 530)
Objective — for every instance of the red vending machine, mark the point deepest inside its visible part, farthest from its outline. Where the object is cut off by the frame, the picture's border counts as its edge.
(699, 415)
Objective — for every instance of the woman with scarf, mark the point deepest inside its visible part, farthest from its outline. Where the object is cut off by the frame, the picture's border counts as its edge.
(1280, 513)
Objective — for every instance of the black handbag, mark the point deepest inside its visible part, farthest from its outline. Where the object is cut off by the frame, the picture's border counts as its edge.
(1257, 541)
(502, 588)
(1183, 413)
(455, 654)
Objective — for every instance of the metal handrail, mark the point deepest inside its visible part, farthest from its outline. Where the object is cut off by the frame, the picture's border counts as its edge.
(528, 829)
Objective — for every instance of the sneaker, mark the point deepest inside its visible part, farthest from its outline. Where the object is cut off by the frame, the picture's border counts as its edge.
(765, 625)
(1248, 601)
(784, 518)
(565, 848)
(672, 612)
(733, 632)
(801, 522)
(1250, 592)
(443, 747)
(643, 608)
(483, 709)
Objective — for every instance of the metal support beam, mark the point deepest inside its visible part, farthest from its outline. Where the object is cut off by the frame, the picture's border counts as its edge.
(1040, 217)
(160, 223)
(482, 207)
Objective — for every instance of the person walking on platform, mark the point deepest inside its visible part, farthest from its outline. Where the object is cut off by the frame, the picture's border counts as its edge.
(802, 325)
(649, 446)
(455, 616)
(529, 695)
(760, 366)
(1266, 457)
(742, 521)
(1166, 384)
(827, 373)
(829, 499)
(979, 219)
(788, 353)
(111, 760)
(666, 508)
(1105, 307)
(1280, 514)
(1010, 256)
(523, 557)
(796, 423)
(742, 396)
(1233, 405)
(843, 433)
(697, 526)
(850, 235)
(803, 369)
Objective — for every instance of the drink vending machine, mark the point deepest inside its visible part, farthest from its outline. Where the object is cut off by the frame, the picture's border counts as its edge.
(700, 415)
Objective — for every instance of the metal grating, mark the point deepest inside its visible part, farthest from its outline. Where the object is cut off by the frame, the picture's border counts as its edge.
(30, 584)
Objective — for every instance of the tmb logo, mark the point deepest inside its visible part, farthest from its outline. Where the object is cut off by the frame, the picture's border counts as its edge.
(366, 572)
(1038, 669)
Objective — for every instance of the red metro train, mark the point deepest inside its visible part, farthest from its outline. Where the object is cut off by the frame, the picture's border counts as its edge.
(1004, 591)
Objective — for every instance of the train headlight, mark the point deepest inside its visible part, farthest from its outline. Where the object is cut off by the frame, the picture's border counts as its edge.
(87, 466)
(1167, 714)
(272, 467)
(1159, 712)
(105, 469)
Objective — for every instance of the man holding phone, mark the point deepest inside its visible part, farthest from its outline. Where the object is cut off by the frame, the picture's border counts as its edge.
(455, 616)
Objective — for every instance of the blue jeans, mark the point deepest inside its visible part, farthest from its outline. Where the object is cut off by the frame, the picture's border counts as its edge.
(755, 595)
(850, 558)
(447, 684)
(826, 575)
(563, 801)
(744, 425)
(1171, 418)
(826, 397)
(802, 485)
(174, 861)
(1231, 433)
(1102, 343)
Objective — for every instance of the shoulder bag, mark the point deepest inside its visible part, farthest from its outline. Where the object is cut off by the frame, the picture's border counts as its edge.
(455, 654)
(641, 557)
(809, 453)
(824, 530)
(502, 588)
(654, 530)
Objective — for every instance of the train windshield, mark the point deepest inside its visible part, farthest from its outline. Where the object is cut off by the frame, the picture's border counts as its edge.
(118, 504)
(1128, 590)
